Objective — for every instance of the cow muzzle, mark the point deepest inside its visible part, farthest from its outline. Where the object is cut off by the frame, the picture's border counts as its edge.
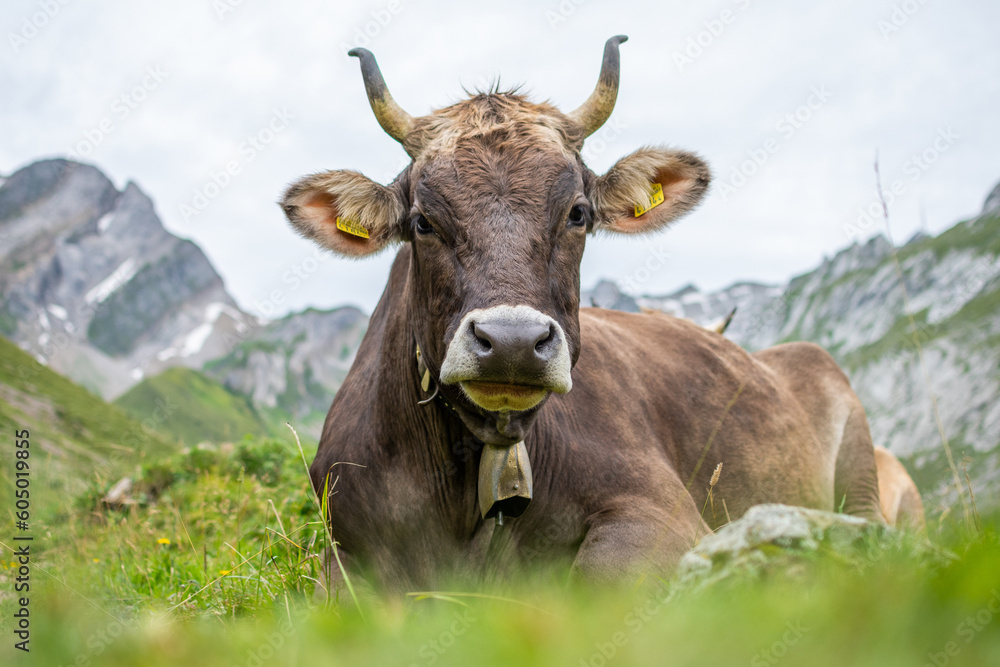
(508, 358)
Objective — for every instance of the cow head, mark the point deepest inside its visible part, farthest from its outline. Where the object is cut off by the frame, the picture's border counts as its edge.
(496, 206)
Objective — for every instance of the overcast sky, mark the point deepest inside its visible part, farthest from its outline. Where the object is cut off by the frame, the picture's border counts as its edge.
(166, 94)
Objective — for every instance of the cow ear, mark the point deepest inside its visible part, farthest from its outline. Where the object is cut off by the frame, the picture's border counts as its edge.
(648, 189)
(345, 211)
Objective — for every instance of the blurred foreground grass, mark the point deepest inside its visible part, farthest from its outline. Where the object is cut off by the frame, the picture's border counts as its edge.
(215, 562)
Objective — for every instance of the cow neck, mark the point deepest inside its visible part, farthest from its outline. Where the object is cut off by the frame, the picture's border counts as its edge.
(437, 438)
(504, 480)
(437, 441)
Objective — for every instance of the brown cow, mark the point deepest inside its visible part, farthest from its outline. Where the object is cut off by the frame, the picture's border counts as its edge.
(624, 416)
(898, 495)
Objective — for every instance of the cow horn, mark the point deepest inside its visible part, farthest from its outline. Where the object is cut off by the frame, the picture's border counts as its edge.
(396, 122)
(598, 107)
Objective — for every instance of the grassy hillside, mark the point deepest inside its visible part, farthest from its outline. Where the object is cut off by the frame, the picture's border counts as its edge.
(192, 407)
(219, 569)
(74, 434)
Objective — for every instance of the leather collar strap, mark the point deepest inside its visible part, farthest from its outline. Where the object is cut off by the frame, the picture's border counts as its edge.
(425, 383)
(504, 472)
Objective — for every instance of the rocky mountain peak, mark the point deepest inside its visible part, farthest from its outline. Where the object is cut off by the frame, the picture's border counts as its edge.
(93, 284)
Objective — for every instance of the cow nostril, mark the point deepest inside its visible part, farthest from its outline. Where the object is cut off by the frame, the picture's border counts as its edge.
(540, 345)
(481, 337)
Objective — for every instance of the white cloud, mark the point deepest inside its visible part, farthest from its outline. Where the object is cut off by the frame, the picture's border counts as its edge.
(226, 78)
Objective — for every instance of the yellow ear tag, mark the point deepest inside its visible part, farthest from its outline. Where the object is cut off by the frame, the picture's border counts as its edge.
(655, 199)
(352, 227)
(425, 379)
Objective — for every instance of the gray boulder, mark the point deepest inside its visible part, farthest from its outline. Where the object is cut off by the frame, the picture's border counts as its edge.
(773, 539)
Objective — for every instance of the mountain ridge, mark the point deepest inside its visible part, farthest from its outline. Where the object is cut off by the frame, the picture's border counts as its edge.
(93, 285)
(944, 348)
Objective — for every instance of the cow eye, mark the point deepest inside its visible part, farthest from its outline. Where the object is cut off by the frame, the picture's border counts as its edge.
(577, 215)
(422, 226)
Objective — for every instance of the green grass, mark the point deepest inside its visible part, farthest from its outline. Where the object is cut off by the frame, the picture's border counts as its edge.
(72, 429)
(78, 413)
(234, 587)
(186, 404)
